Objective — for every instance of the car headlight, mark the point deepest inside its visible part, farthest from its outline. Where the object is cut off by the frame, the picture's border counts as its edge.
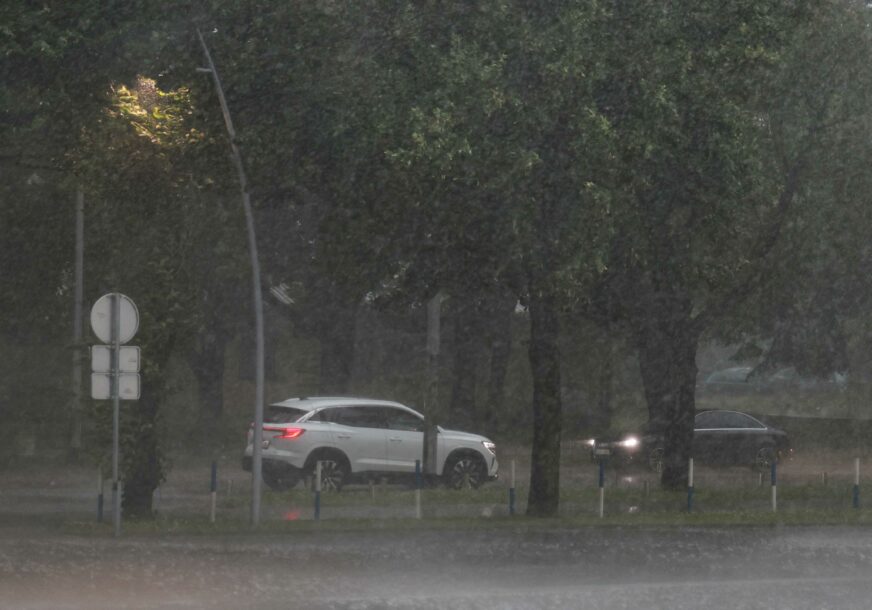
(591, 442)
(631, 442)
(492, 448)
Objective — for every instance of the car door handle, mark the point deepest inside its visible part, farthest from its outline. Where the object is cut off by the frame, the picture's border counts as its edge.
(343, 436)
(394, 439)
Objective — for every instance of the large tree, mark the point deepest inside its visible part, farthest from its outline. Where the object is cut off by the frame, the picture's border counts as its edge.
(722, 111)
(505, 156)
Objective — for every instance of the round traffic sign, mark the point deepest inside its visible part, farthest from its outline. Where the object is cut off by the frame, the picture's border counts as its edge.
(101, 318)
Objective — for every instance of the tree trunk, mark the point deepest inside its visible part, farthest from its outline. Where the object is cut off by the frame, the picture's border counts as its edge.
(602, 417)
(141, 455)
(543, 499)
(667, 362)
(464, 378)
(501, 351)
(207, 365)
(142, 464)
(336, 332)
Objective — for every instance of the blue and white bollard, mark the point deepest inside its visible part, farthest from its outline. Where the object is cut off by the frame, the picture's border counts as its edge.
(774, 477)
(856, 482)
(512, 491)
(100, 494)
(317, 491)
(602, 487)
(690, 485)
(213, 489)
(418, 484)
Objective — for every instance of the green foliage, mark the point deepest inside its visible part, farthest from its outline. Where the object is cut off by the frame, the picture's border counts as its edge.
(814, 284)
(655, 166)
(154, 183)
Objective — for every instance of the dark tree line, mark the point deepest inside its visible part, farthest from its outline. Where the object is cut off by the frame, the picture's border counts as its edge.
(665, 171)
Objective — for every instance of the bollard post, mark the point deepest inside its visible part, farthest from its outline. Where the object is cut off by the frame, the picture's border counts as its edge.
(317, 491)
(512, 491)
(774, 476)
(602, 491)
(690, 485)
(229, 487)
(856, 482)
(759, 479)
(99, 494)
(213, 490)
(118, 495)
(417, 489)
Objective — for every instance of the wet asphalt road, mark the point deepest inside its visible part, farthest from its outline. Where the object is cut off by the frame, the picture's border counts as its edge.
(599, 568)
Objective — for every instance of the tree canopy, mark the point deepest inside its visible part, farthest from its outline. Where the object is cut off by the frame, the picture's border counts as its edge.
(666, 169)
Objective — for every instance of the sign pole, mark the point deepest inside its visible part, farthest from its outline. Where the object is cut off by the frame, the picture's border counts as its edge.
(116, 488)
(76, 432)
(115, 320)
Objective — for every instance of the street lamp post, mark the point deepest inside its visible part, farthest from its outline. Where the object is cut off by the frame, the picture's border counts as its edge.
(258, 299)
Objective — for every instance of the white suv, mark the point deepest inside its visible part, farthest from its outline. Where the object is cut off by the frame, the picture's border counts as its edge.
(362, 438)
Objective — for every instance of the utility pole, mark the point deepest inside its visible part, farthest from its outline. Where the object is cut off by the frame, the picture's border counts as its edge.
(76, 415)
(256, 462)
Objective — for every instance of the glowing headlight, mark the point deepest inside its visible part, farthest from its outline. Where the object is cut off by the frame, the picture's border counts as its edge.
(591, 442)
(490, 447)
(631, 442)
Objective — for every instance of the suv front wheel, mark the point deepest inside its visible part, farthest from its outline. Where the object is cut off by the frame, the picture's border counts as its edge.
(763, 459)
(280, 478)
(465, 471)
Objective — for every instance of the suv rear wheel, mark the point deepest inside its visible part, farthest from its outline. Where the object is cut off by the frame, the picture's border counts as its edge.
(334, 470)
(763, 459)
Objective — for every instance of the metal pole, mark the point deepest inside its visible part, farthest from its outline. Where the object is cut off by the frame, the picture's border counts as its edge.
(256, 459)
(690, 485)
(76, 432)
(512, 491)
(774, 477)
(99, 494)
(213, 488)
(116, 408)
(602, 487)
(856, 483)
(417, 489)
(317, 491)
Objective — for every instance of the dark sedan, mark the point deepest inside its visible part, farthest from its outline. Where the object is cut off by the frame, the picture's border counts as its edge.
(720, 438)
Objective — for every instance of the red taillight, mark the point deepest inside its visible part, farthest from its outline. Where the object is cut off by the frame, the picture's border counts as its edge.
(286, 433)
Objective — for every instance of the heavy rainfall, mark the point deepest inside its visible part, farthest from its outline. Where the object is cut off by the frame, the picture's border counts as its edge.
(389, 304)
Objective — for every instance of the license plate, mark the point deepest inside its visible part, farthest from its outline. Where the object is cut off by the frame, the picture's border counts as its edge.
(602, 451)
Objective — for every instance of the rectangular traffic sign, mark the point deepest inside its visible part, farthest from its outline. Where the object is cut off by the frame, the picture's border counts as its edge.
(128, 386)
(101, 359)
